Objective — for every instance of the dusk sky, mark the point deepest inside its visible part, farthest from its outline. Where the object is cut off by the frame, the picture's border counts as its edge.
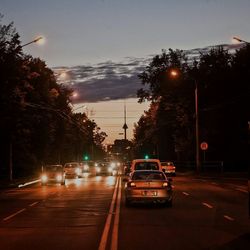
(104, 44)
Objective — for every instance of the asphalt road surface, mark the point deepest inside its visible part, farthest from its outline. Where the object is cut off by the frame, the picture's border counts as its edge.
(89, 213)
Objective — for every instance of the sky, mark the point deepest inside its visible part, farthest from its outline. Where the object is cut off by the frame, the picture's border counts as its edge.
(104, 44)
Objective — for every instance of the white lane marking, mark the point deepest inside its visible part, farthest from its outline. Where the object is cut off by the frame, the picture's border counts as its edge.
(28, 183)
(207, 205)
(114, 239)
(228, 218)
(103, 242)
(185, 193)
(242, 190)
(11, 216)
(33, 204)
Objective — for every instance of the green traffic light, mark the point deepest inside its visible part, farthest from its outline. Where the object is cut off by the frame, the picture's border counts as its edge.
(146, 157)
(86, 157)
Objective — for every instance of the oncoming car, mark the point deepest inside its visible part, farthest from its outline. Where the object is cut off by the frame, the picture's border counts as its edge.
(103, 168)
(168, 167)
(148, 186)
(53, 174)
(73, 170)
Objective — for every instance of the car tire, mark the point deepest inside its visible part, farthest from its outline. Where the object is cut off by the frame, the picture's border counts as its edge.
(127, 202)
(169, 203)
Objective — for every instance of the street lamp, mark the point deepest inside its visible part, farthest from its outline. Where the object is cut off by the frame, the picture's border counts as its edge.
(33, 41)
(10, 144)
(174, 74)
(240, 40)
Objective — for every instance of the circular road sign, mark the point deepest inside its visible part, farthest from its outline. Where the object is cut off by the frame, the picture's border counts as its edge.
(204, 146)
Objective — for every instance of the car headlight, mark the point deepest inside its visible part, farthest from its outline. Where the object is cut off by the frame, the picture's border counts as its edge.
(110, 169)
(78, 171)
(165, 184)
(59, 177)
(98, 169)
(86, 167)
(44, 178)
(112, 165)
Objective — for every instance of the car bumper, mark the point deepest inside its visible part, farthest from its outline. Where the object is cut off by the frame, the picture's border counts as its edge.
(148, 194)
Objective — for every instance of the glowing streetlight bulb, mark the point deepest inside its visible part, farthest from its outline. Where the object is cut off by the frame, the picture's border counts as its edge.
(173, 73)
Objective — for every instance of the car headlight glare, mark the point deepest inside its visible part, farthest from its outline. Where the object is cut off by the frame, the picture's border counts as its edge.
(44, 178)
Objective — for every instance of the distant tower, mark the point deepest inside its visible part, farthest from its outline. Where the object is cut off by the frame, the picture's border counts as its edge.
(125, 126)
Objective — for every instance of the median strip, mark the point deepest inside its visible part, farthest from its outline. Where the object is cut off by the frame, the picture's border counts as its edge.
(114, 243)
(11, 216)
(104, 238)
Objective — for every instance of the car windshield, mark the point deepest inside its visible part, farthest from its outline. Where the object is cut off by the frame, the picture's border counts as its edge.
(146, 166)
(53, 168)
(148, 176)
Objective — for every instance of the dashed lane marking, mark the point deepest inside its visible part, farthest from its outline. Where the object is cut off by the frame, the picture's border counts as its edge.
(11, 216)
(207, 205)
(185, 193)
(33, 204)
(241, 190)
(228, 218)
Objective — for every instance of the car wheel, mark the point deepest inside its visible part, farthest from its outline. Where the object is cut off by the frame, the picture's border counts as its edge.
(169, 203)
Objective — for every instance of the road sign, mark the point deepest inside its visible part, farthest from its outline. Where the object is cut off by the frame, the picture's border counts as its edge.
(204, 146)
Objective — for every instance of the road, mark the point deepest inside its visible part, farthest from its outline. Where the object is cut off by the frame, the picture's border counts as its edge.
(89, 213)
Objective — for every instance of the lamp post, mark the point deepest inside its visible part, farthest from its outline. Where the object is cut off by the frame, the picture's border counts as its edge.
(240, 40)
(174, 74)
(33, 41)
(10, 143)
(197, 140)
(248, 181)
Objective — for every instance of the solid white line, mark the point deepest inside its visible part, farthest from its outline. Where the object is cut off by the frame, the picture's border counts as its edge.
(11, 216)
(185, 193)
(33, 204)
(114, 239)
(228, 218)
(207, 205)
(28, 183)
(103, 242)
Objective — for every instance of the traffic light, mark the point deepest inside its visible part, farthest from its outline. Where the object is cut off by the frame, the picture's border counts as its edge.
(146, 157)
(85, 157)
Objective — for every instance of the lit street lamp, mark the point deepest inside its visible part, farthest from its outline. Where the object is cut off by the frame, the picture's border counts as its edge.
(10, 144)
(174, 73)
(240, 40)
(34, 41)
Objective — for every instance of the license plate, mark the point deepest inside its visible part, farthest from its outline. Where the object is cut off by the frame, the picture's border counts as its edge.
(149, 193)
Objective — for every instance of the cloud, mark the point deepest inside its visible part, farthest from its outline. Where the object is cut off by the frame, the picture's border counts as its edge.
(114, 80)
(104, 81)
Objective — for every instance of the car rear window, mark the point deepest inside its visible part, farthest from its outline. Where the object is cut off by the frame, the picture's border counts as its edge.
(148, 176)
(146, 166)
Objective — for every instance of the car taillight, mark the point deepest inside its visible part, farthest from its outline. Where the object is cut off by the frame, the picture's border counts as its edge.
(165, 184)
(131, 184)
